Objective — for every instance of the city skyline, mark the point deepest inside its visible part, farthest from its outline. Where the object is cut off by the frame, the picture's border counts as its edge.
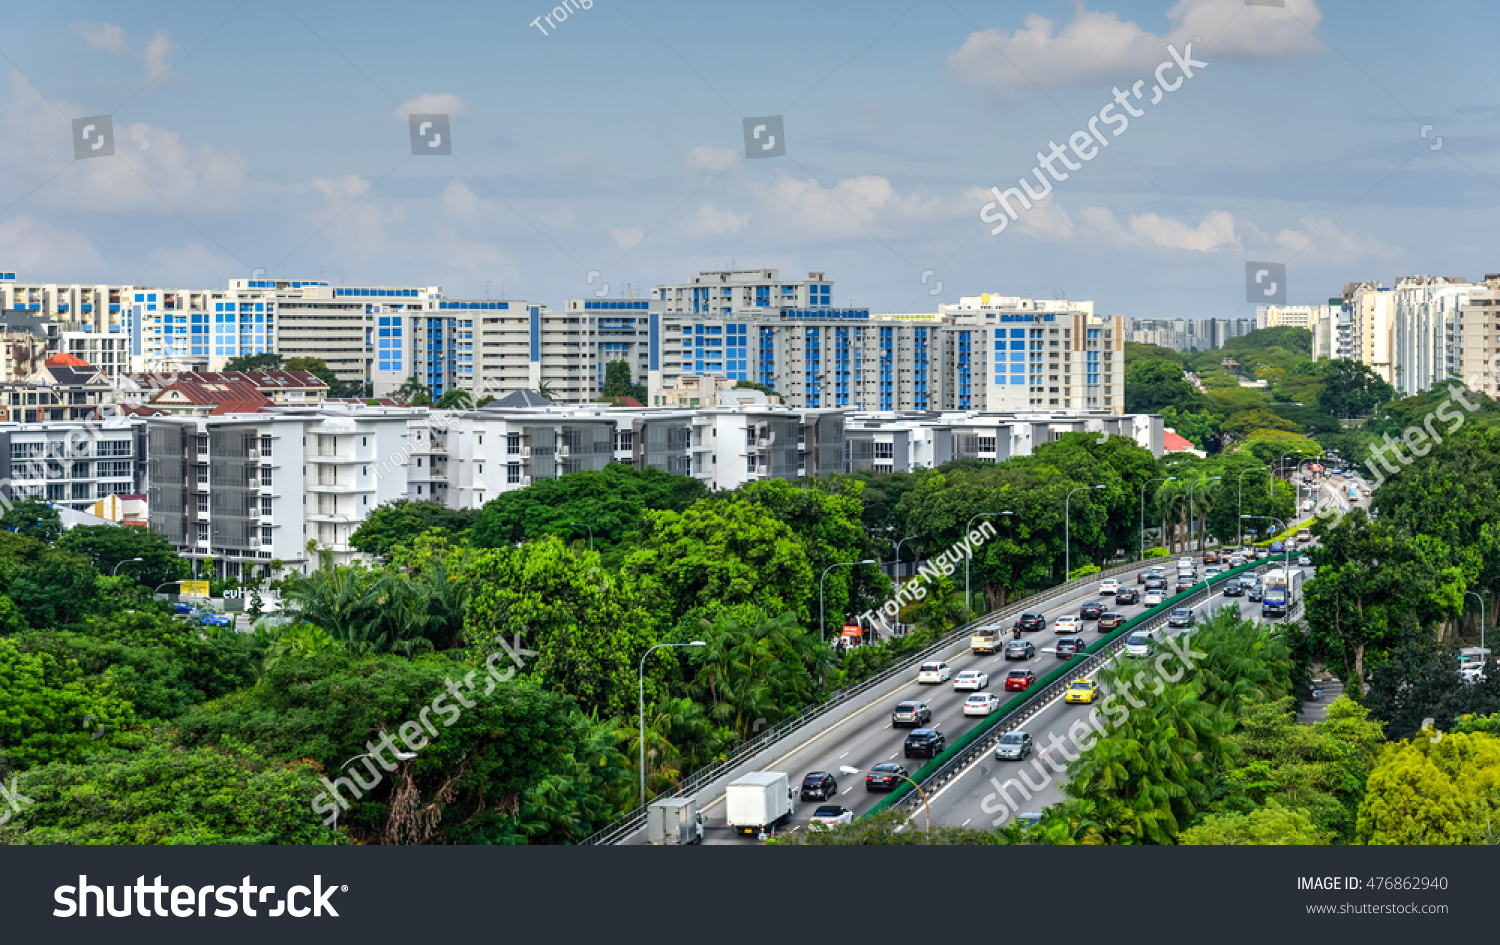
(279, 140)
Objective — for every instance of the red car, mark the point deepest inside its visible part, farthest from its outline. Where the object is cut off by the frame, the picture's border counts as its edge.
(1210, 557)
(1019, 679)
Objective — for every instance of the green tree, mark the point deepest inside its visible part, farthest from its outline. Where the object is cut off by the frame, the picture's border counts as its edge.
(400, 521)
(1351, 389)
(455, 400)
(412, 391)
(268, 361)
(50, 710)
(161, 794)
(111, 546)
(1273, 825)
(1155, 384)
(619, 382)
(588, 626)
(32, 516)
(1431, 791)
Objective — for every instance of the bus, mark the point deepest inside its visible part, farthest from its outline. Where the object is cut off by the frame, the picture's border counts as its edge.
(1353, 493)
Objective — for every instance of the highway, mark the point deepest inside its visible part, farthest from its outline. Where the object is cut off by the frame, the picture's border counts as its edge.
(867, 738)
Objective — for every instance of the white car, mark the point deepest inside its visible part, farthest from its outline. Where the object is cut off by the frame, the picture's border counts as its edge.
(981, 703)
(1304, 561)
(1307, 505)
(1186, 563)
(1211, 570)
(1152, 599)
(1110, 587)
(1066, 624)
(934, 672)
(971, 679)
(1139, 644)
(830, 815)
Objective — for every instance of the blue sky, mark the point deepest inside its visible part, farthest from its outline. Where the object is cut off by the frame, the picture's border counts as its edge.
(262, 134)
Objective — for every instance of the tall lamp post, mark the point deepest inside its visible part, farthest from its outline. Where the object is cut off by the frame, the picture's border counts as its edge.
(849, 769)
(1482, 653)
(126, 561)
(1191, 486)
(1240, 536)
(1068, 530)
(643, 707)
(1143, 509)
(898, 554)
(968, 598)
(822, 616)
(591, 532)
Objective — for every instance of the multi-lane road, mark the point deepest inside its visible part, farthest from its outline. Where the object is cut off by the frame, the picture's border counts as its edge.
(867, 738)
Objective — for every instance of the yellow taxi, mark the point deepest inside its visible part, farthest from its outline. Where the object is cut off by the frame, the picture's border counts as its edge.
(1082, 690)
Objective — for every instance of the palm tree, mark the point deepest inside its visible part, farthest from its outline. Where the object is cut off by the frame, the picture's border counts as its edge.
(411, 391)
(455, 400)
(545, 390)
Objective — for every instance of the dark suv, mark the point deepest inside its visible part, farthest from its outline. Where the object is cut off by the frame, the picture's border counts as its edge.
(819, 786)
(885, 776)
(925, 743)
(911, 713)
(1032, 621)
(1091, 610)
(1128, 595)
(1233, 588)
(1069, 647)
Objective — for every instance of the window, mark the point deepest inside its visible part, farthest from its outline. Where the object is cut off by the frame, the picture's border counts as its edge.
(265, 475)
(202, 475)
(202, 533)
(81, 471)
(202, 444)
(265, 535)
(750, 463)
(885, 450)
(202, 503)
(265, 506)
(513, 443)
(513, 473)
(265, 446)
(986, 444)
(479, 467)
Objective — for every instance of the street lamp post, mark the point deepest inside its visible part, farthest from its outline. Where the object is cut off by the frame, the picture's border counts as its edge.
(1068, 530)
(1240, 536)
(1287, 560)
(643, 707)
(591, 532)
(822, 615)
(849, 769)
(1143, 509)
(1191, 486)
(398, 755)
(898, 554)
(1482, 653)
(126, 561)
(968, 598)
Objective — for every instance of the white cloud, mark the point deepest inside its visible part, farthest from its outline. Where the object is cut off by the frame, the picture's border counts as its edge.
(707, 157)
(459, 201)
(193, 264)
(431, 103)
(628, 237)
(158, 53)
(105, 37)
(1100, 48)
(41, 247)
(854, 206)
(709, 221)
(340, 190)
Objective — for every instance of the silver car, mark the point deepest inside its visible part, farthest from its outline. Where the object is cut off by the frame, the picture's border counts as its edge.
(1014, 746)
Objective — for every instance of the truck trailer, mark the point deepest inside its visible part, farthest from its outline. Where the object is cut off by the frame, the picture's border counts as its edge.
(758, 801)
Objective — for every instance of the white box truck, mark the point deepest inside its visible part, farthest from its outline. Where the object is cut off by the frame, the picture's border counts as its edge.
(985, 640)
(758, 801)
(674, 820)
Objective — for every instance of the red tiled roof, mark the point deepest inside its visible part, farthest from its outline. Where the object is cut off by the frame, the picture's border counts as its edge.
(66, 360)
(232, 396)
(628, 402)
(1172, 443)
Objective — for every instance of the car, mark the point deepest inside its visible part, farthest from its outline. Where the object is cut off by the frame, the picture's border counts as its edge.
(1186, 563)
(1277, 547)
(1031, 620)
(1109, 620)
(1237, 561)
(1128, 595)
(1262, 554)
(1307, 505)
(1139, 645)
(216, 620)
(1365, 493)
(971, 679)
(1304, 561)
(1181, 617)
(1090, 611)
(1014, 746)
(1256, 592)
(1081, 691)
(1029, 818)
(1066, 624)
(830, 815)
(934, 672)
(981, 703)
(1020, 650)
(1140, 576)
(819, 786)
(1019, 679)
(885, 777)
(1109, 586)
(1233, 588)
(1210, 557)
(182, 608)
(1069, 647)
(1211, 571)
(1185, 584)
(1153, 599)
(914, 714)
(1156, 583)
(924, 743)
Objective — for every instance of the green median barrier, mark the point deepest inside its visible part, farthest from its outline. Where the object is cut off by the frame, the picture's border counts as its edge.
(1019, 700)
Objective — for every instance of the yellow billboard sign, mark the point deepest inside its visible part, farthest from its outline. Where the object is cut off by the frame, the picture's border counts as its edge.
(193, 588)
